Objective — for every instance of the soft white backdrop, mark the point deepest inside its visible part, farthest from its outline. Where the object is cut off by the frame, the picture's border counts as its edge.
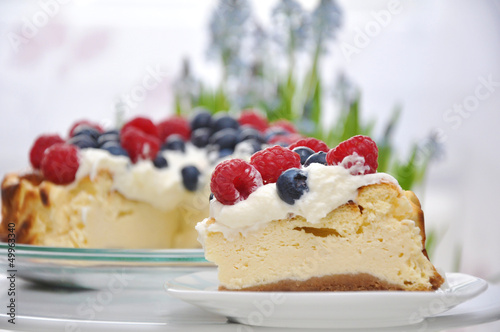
(428, 56)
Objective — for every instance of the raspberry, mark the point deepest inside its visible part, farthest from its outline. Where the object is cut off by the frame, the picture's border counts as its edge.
(284, 139)
(234, 180)
(138, 144)
(253, 118)
(362, 153)
(174, 125)
(84, 123)
(41, 144)
(273, 161)
(143, 124)
(60, 163)
(285, 124)
(315, 144)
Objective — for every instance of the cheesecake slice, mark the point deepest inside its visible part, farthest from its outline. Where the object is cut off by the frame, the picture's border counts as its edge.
(343, 231)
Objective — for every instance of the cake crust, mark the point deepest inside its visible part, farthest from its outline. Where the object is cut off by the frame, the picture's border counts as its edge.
(333, 283)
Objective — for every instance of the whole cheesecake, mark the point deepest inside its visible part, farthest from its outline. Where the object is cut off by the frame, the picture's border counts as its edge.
(328, 223)
(144, 185)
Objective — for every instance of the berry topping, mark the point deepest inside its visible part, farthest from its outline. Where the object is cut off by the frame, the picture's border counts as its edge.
(285, 124)
(86, 131)
(248, 133)
(273, 161)
(234, 180)
(318, 158)
(138, 144)
(84, 124)
(315, 144)
(201, 119)
(115, 149)
(200, 137)
(222, 121)
(174, 142)
(143, 124)
(160, 161)
(225, 153)
(83, 141)
(190, 177)
(109, 136)
(174, 125)
(274, 131)
(60, 163)
(291, 185)
(41, 144)
(285, 140)
(226, 138)
(253, 118)
(359, 154)
(304, 153)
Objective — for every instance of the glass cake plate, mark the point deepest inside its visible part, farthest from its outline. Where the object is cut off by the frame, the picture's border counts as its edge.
(100, 268)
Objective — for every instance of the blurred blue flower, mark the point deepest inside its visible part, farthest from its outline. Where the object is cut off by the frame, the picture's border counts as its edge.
(292, 25)
(228, 30)
(326, 19)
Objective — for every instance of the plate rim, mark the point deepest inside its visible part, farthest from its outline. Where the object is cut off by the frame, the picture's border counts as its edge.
(410, 303)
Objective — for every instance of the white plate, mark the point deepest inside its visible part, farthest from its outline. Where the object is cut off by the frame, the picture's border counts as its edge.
(93, 268)
(324, 309)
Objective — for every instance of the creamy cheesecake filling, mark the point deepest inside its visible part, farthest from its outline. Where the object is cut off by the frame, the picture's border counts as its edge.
(162, 188)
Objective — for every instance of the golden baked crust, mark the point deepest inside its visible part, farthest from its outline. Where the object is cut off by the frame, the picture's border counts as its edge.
(333, 283)
(21, 196)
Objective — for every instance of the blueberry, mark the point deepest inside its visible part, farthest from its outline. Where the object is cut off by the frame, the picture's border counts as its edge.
(270, 133)
(190, 176)
(112, 131)
(291, 185)
(304, 153)
(160, 161)
(115, 150)
(109, 144)
(200, 137)
(201, 119)
(222, 121)
(87, 131)
(318, 157)
(225, 152)
(108, 137)
(83, 141)
(211, 197)
(251, 133)
(282, 143)
(174, 142)
(225, 138)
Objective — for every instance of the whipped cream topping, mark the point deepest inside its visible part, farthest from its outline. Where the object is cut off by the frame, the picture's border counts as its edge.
(329, 188)
(142, 181)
